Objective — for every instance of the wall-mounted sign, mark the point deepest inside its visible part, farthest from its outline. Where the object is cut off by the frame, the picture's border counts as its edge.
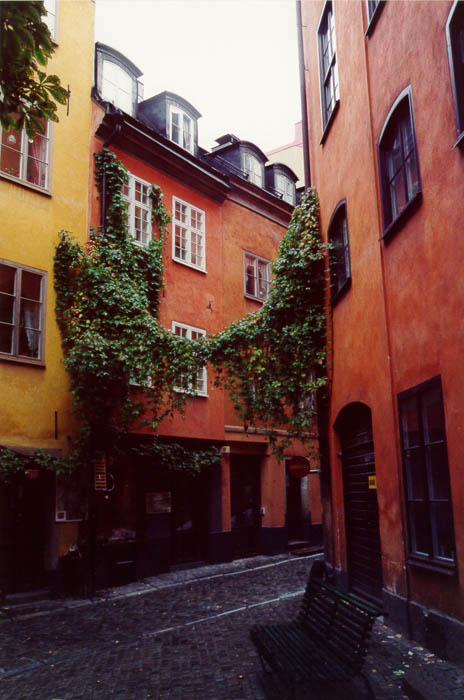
(372, 481)
(298, 467)
(158, 502)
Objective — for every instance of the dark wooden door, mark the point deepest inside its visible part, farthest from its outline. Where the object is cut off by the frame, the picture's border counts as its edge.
(189, 519)
(245, 495)
(361, 509)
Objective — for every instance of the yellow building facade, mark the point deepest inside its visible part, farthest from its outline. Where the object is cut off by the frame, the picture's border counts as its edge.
(43, 189)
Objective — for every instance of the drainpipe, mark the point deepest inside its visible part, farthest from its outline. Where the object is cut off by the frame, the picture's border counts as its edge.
(117, 128)
(304, 111)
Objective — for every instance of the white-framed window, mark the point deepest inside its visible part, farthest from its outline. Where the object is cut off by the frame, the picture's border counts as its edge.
(285, 187)
(117, 86)
(257, 276)
(22, 312)
(181, 128)
(328, 66)
(137, 194)
(181, 330)
(254, 169)
(188, 240)
(50, 18)
(24, 158)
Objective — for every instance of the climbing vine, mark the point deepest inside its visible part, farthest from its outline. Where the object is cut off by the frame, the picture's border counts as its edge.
(125, 369)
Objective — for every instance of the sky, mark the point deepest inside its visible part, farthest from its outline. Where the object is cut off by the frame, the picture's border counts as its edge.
(235, 61)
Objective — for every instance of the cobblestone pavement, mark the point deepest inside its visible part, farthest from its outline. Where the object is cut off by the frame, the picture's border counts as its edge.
(184, 636)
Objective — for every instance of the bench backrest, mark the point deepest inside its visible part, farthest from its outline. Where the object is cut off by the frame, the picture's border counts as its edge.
(341, 623)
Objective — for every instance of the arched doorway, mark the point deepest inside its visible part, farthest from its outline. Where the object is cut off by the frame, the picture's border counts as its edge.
(354, 427)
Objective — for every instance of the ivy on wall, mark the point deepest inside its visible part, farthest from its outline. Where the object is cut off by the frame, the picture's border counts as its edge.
(125, 369)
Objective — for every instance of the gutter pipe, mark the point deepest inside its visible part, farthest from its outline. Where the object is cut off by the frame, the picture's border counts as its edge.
(304, 111)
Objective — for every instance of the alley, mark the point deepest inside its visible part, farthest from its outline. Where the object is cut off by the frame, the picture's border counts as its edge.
(182, 636)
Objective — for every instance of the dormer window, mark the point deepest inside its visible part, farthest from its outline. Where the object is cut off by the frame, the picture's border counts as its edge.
(181, 129)
(285, 187)
(117, 79)
(254, 169)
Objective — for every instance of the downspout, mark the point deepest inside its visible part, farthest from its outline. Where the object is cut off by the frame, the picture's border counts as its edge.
(304, 111)
(119, 116)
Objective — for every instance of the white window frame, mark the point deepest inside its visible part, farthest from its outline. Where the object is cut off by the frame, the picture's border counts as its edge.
(51, 18)
(285, 187)
(17, 316)
(188, 234)
(254, 168)
(328, 65)
(113, 91)
(257, 295)
(137, 208)
(25, 157)
(193, 333)
(185, 127)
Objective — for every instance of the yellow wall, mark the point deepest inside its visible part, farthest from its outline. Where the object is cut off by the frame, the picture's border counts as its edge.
(30, 221)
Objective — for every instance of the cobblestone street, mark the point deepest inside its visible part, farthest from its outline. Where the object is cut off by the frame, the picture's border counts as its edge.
(182, 636)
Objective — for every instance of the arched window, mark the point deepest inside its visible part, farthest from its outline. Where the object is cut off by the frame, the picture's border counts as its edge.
(399, 163)
(254, 168)
(340, 271)
(455, 39)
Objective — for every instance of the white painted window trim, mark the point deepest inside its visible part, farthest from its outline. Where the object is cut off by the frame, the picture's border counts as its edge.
(24, 155)
(132, 203)
(256, 259)
(253, 176)
(202, 374)
(174, 109)
(188, 228)
(286, 188)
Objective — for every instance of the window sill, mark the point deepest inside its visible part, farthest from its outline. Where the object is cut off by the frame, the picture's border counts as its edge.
(329, 123)
(340, 293)
(373, 20)
(22, 360)
(187, 264)
(252, 298)
(404, 216)
(24, 183)
(438, 566)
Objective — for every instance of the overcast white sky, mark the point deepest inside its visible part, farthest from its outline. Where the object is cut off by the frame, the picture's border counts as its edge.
(234, 60)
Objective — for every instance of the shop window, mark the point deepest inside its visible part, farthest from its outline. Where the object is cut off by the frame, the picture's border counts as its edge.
(137, 194)
(399, 164)
(427, 482)
(328, 67)
(22, 313)
(188, 241)
(455, 40)
(340, 270)
(199, 387)
(257, 274)
(26, 159)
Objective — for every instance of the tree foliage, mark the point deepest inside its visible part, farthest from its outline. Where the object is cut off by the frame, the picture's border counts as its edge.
(27, 94)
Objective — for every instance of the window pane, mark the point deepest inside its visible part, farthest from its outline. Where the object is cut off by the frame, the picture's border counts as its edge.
(31, 286)
(412, 176)
(420, 533)
(262, 280)
(180, 243)
(415, 473)
(29, 341)
(7, 279)
(37, 158)
(442, 525)
(6, 338)
(30, 314)
(6, 308)
(10, 154)
(437, 463)
(432, 416)
(410, 423)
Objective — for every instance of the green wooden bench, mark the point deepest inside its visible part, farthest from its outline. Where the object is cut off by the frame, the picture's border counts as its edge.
(327, 641)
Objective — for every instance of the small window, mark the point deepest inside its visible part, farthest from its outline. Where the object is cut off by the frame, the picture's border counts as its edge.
(427, 483)
(137, 194)
(256, 276)
(455, 40)
(24, 158)
(200, 385)
(117, 86)
(181, 129)
(373, 10)
(286, 188)
(328, 67)
(253, 168)
(51, 16)
(188, 240)
(399, 164)
(340, 272)
(22, 312)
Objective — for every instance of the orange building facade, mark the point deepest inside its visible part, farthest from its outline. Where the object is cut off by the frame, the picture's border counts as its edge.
(385, 86)
(228, 218)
